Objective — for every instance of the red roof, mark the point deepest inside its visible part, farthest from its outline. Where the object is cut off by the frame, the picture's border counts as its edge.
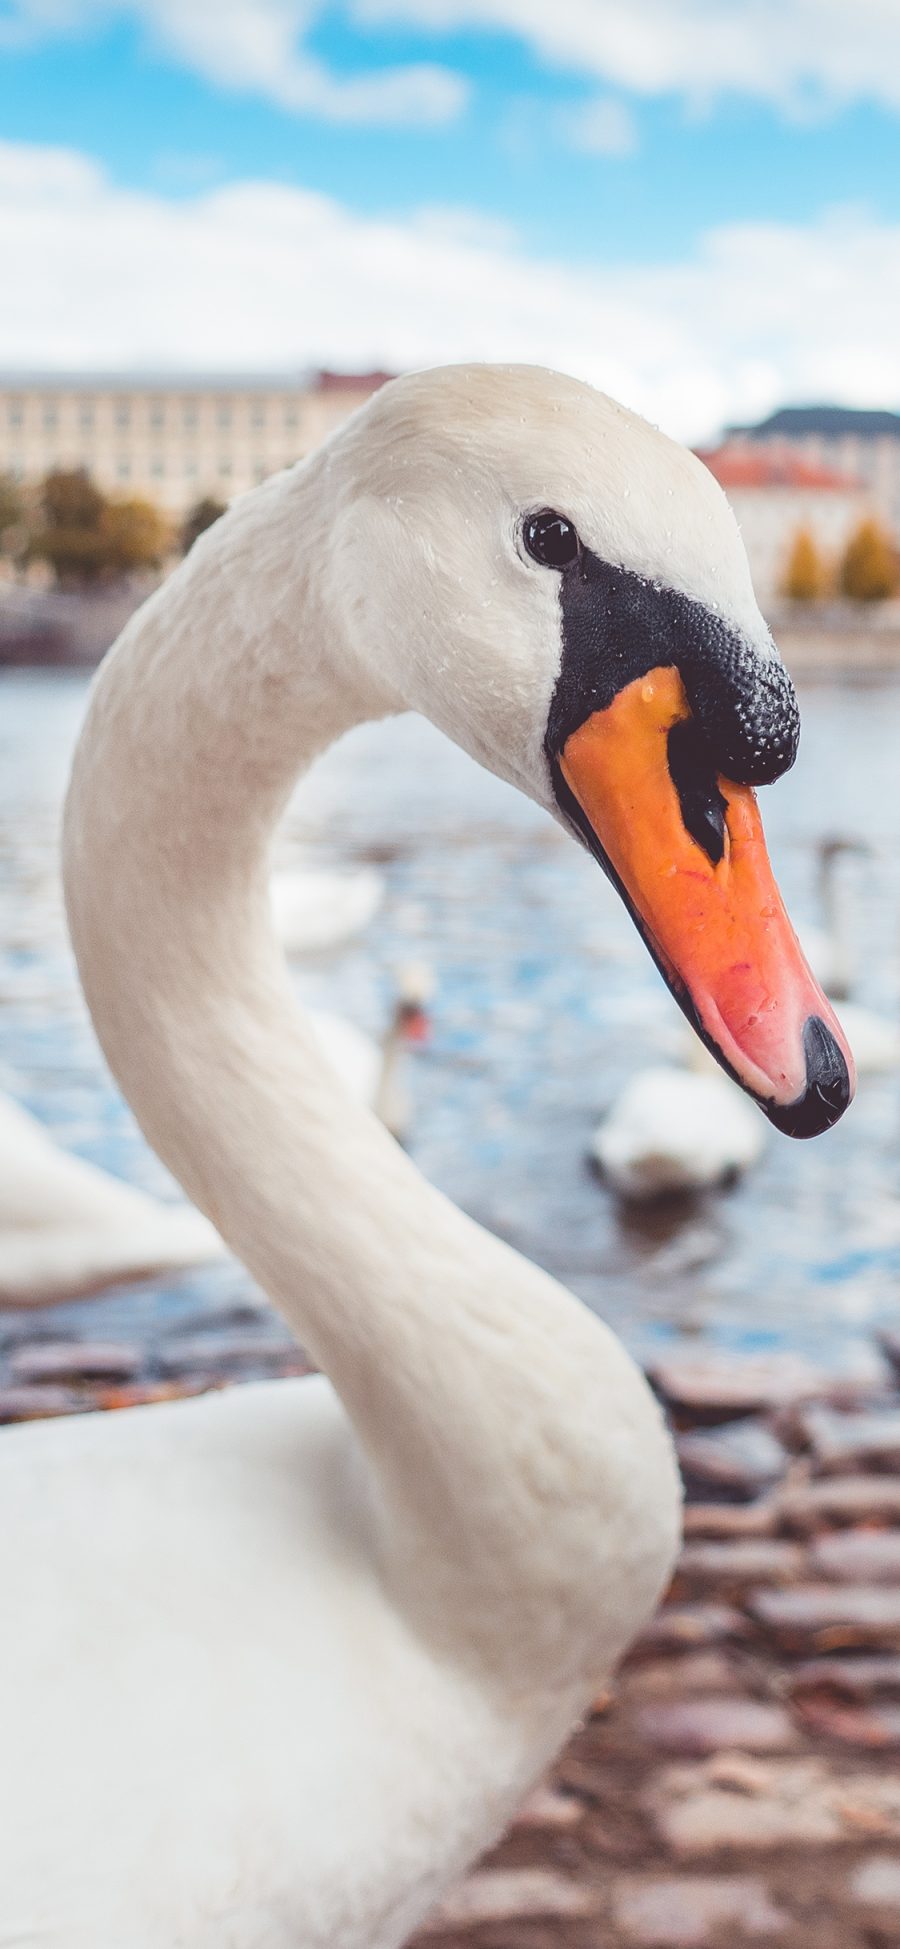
(335, 382)
(740, 466)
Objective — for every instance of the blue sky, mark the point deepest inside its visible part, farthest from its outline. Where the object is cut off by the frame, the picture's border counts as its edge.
(698, 198)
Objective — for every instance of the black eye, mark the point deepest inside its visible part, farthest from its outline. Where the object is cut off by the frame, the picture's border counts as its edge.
(550, 539)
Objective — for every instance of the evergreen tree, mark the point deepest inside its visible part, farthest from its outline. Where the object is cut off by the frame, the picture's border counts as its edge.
(201, 516)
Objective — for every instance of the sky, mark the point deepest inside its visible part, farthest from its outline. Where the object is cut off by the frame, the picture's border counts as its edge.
(695, 204)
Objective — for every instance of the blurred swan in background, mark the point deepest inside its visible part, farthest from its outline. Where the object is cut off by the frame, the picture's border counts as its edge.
(374, 1073)
(314, 910)
(832, 953)
(677, 1130)
(68, 1228)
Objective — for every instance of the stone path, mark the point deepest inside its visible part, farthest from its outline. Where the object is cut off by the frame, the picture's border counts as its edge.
(742, 1784)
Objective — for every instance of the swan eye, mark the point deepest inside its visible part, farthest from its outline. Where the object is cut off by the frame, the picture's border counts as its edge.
(550, 539)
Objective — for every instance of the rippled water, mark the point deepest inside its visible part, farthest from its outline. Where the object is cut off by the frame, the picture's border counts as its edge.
(546, 1002)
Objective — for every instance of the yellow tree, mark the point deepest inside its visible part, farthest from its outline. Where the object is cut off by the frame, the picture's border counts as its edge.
(869, 565)
(135, 535)
(806, 576)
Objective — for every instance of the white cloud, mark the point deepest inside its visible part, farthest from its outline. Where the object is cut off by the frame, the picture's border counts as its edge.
(603, 127)
(796, 53)
(261, 276)
(257, 46)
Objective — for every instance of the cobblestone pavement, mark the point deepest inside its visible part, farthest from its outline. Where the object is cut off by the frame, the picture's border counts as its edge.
(742, 1782)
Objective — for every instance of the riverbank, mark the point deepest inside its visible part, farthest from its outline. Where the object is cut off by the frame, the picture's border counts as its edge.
(60, 627)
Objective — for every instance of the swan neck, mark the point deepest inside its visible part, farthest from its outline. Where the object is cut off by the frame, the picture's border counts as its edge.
(509, 1444)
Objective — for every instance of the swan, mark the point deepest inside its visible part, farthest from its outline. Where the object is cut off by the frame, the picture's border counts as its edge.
(313, 910)
(373, 1073)
(830, 950)
(677, 1130)
(68, 1228)
(277, 1664)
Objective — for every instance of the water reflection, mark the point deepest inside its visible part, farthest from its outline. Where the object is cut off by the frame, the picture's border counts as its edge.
(546, 1003)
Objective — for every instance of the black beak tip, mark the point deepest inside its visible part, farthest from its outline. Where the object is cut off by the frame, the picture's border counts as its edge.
(827, 1092)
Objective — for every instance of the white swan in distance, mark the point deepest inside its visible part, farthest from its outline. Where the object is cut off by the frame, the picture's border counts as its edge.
(833, 954)
(277, 1664)
(677, 1131)
(68, 1228)
(374, 1072)
(314, 910)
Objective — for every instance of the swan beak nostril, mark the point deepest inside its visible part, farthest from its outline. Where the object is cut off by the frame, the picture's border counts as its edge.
(829, 1088)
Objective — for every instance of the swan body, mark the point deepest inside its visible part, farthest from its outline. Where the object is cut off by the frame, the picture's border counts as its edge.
(313, 910)
(276, 1665)
(68, 1228)
(675, 1130)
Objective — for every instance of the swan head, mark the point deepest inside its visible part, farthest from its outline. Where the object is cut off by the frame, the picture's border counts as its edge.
(564, 591)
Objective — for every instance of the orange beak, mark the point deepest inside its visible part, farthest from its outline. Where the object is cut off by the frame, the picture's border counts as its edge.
(710, 913)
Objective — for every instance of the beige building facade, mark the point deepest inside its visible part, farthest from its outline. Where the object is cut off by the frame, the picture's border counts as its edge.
(775, 494)
(854, 441)
(171, 439)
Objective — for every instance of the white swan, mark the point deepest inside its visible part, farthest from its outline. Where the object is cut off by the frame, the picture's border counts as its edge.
(68, 1228)
(677, 1130)
(374, 1073)
(276, 1664)
(831, 951)
(313, 909)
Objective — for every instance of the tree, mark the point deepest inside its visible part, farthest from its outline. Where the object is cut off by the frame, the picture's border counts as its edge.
(86, 537)
(12, 504)
(13, 519)
(869, 566)
(201, 516)
(70, 536)
(806, 576)
(134, 534)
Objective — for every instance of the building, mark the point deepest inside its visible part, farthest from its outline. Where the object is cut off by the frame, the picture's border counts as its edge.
(774, 494)
(853, 441)
(171, 438)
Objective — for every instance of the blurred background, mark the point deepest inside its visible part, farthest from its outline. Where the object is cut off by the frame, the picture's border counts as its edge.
(221, 229)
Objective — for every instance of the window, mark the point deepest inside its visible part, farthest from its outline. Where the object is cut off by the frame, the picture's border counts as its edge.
(223, 414)
(86, 413)
(157, 468)
(14, 412)
(291, 416)
(51, 417)
(258, 415)
(189, 413)
(259, 470)
(224, 468)
(123, 469)
(123, 412)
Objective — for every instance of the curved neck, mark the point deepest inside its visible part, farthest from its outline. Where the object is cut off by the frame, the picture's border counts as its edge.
(488, 1402)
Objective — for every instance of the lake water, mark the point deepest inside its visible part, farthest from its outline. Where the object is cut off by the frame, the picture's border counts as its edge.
(545, 1003)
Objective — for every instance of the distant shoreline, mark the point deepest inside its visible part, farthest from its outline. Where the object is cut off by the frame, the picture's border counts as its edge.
(72, 628)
